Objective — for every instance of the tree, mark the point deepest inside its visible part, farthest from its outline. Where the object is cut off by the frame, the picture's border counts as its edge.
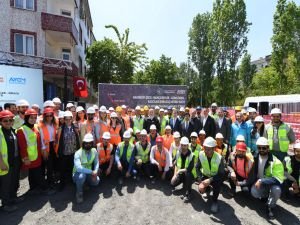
(230, 28)
(246, 72)
(202, 54)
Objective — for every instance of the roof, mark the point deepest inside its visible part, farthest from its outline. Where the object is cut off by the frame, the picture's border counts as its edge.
(274, 99)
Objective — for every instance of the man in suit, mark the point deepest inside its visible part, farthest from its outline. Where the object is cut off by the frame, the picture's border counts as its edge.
(186, 126)
(223, 126)
(208, 124)
(196, 121)
(174, 121)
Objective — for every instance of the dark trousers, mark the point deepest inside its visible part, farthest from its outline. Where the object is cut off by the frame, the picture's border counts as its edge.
(144, 169)
(238, 178)
(9, 183)
(66, 164)
(36, 179)
(125, 166)
(216, 185)
(156, 173)
(48, 165)
(186, 178)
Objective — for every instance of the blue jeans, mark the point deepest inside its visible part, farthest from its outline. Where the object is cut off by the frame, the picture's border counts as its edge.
(80, 178)
(272, 192)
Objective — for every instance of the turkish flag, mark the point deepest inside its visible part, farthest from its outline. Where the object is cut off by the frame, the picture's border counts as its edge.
(80, 87)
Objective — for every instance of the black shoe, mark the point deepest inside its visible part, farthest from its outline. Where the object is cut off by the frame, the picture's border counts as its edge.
(270, 213)
(18, 199)
(9, 208)
(187, 198)
(120, 181)
(232, 193)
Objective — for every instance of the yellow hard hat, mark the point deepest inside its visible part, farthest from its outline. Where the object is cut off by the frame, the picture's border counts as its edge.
(146, 107)
(118, 109)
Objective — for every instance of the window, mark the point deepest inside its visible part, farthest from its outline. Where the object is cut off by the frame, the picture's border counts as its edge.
(65, 12)
(80, 65)
(66, 54)
(80, 34)
(24, 4)
(24, 44)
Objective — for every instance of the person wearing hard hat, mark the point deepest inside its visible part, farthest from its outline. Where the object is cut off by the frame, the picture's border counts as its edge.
(156, 111)
(145, 112)
(61, 120)
(96, 112)
(138, 121)
(151, 120)
(168, 137)
(183, 169)
(174, 121)
(239, 166)
(90, 126)
(86, 166)
(175, 147)
(181, 113)
(266, 176)
(36, 107)
(292, 172)
(201, 138)
(152, 135)
(22, 106)
(132, 139)
(279, 134)
(115, 130)
(106, 155)
(103, 122)
(160, 160)
(258, 130)
(124, 158)
(210, 169)
(213, 111)
(48, 128)
(223, 125)
(137, 135)
(67, 143)
(9, 162)
(163, 121)
(142, 155)
(80, 116)
(239, 127)
(195, 148)
(57, 102)
(125, 117)
(71, 107)
(221, 147)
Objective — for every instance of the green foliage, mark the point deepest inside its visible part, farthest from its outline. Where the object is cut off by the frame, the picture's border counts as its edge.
(246, 72)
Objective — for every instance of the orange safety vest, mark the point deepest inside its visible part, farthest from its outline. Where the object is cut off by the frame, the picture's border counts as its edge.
(46, 135)
(115, 137)
(104, 156)
(167, 141)
(89, 127)
(161, 157)
(126, 119)
(57, 138)
(103, 128)
(248, 163)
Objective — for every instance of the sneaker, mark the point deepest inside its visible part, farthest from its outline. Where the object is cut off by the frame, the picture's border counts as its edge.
(270, 213)
(79, 197)
(9, 208)
(214, 207)
(187, 198)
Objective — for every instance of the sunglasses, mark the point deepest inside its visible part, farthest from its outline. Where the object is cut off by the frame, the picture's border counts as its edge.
(48, 115)
(262, 148)
(6, 121)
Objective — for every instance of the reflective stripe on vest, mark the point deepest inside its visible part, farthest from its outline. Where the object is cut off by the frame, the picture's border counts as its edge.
(196, 153)
(187, 160)
(31, 141)
(129, 150)
(214, 164)
(138, 124)
(141, 153)
(275, 169)
(3, 152)
(85, 163)
(104, 157)
(282, 137)
(46, 135)
(160, 157)
(115, 137)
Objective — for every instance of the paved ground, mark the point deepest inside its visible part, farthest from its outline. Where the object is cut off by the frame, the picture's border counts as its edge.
(143, 203)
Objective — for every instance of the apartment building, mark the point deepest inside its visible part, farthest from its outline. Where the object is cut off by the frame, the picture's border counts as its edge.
(49, 31)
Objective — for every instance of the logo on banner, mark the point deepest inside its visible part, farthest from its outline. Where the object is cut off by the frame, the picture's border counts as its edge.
(17, 80)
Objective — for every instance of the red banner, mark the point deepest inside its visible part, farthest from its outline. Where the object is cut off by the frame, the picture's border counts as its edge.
(80, 87)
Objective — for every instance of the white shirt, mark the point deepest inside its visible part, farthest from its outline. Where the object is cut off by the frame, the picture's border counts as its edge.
(220, 121)
(204, 120)
(261, 166)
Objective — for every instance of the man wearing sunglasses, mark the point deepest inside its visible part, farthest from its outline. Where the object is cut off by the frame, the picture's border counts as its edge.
(280, 135)
(22, 106)
(266, 175)
(9, 162)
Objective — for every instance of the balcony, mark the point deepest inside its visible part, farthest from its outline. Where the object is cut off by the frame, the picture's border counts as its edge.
(48, 69)
(61, 24)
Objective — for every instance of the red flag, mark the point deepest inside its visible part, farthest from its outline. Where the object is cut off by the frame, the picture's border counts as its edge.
(80, 87)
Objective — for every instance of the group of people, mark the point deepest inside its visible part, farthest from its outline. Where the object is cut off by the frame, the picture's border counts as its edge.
(190, 145)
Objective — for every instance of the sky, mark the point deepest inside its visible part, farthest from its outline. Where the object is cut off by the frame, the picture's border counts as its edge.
(164, 24)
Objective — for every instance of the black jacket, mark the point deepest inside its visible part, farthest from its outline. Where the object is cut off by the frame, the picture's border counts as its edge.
(61, 139)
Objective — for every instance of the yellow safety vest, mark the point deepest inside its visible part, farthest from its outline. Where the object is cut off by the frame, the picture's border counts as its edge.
(282, 137)
(3, 152)
(31, 140)
(88, 164)
(129, 150)
(187, 160)
(214, 164)
(141, 153)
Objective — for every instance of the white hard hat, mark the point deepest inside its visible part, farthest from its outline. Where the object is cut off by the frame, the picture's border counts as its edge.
(157, 107)
(107, 111)
(95, 107)
(68, 114)
(181, 109)
(214, 105)
(35, 105)
(79, 108)
(262, 141)
(243, 111)
(137, 108)
(88, 138)
(111, 109)
(219, 135)
(123, 106)
(69, 105)
(194, 134)
(56, 100)
(61, 114)
(91, 110)
(143, 132)
(113, 115)
(259, 119)
(103, 108)
(23, 102)
(106, 135)
(48, 103)
(137, 131)
(251, 110)
(202, 132)
(168, 127)
(130, 130)
(275, 111)
(176, 134)
(126, 134)
(152, 127)
(297, 145)
(240, 138)
(162, 110)
(184, 141)
(210, 142)
(166, 111)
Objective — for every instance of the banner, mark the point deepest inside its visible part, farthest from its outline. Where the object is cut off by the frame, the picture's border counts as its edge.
(80, 87)
(142, 94)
